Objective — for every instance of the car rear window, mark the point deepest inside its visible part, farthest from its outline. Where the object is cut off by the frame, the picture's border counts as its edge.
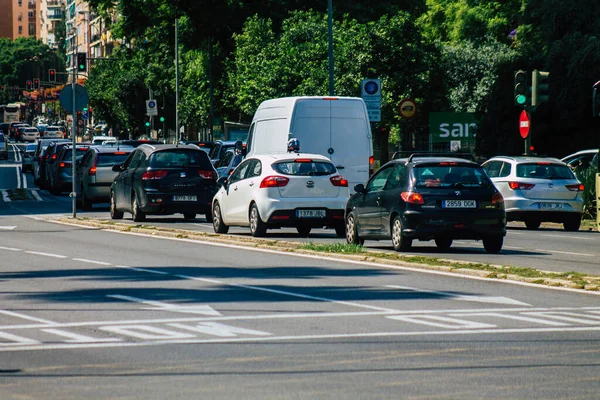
(544, 171)
(180, 158)
(110, 159)
(79, 153)
(304, 167)
(438, 175)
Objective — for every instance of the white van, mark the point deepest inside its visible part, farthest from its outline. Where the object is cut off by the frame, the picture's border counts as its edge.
(336, 127)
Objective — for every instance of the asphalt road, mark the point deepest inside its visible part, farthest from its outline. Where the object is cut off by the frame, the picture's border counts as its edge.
(93, 314)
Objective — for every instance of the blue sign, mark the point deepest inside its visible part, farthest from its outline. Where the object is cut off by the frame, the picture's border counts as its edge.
(85, 114)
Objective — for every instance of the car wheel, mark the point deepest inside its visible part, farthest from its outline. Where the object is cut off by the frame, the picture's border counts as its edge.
(340, 230)
(303, 231)
(443, 243)
(217, 220)
(136, 213)
(532, 223)
(399, 241)
(257, 227)
(572, 223)
(114, 214)
(352, 230)
(493, 244)
(189, 215)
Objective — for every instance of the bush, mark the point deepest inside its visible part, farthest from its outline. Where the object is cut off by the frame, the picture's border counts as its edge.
(587, 176)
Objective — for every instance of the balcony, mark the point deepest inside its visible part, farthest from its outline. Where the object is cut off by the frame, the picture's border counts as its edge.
(31, 5)
(53, 3)
(55, 15)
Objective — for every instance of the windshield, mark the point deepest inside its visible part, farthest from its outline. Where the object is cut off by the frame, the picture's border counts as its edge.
(544, 171)
(450, 175)
(180, 158)
(110, 159)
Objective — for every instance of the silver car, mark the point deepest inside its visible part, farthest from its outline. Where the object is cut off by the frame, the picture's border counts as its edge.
(95, 174)
(28, 154)
(537, 189)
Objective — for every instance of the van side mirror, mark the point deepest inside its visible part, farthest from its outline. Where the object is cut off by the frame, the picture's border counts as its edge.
(360, 188)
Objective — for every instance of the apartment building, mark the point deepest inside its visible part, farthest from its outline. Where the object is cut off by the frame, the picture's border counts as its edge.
(20, 20)
(50, 14)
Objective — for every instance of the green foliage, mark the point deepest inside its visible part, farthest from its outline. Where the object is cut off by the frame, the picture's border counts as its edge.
(587, 176)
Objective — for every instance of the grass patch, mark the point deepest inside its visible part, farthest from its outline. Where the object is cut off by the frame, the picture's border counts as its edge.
(334, 248)
(18, 194)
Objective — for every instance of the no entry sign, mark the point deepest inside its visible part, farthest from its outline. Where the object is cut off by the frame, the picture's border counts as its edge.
(524, 124)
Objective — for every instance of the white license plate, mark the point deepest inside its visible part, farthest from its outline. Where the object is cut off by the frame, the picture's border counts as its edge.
(459, 204)
(550, 206)
(310, 213)
(185, 198)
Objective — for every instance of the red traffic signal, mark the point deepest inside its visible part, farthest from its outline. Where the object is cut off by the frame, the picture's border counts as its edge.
(531, 148)
(29, 85)
(52, 75)
(36, 83)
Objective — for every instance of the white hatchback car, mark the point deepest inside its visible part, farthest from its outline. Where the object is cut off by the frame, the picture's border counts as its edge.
(537, 189)
(31, 134)
(304, 191)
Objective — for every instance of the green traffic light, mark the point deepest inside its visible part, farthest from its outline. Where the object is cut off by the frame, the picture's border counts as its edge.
(162, 119)
(147, 123)
(521, 99)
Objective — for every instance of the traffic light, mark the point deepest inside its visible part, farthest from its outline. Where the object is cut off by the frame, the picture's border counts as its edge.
(81, 62)
(539, 87)
(162, 119)
(52, 75)
(29, 85)
(521, 90)
(36, 83)
(147, 124)
(596, 100)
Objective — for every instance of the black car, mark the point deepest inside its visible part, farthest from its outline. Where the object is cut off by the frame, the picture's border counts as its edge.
(427, 198)
(39, 159)
(164, 179)
(48, 158)
(60, 172)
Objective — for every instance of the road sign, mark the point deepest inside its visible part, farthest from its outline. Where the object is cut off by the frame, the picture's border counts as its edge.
(407, 108)
(85, 114)
(371, 95)
(151, 108)
(66, 98)
(524, 124)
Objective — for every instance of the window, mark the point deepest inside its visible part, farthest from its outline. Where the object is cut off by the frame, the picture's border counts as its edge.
(223, 162)
(240, 172)
(493, 168)
(397, 178)
(378, 180)
(20, 3)
(20, 18)
(20, 30)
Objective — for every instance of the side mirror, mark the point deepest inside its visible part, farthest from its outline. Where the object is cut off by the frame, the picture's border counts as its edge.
(222, 181)
(239, 148)
(117, 168)
(360, 188)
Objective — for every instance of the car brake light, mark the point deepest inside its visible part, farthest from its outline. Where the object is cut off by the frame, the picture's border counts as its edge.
(447, 163)
(120, 153)
(543, 163)
(339, 180)
(303, 160)
(412, 198)
(371, 165)
(61, 165)
(520, 185)
(54, 156)
(92, 171)
(577, 187)
(207, 174)
(497, 198)
(149, 175)
(274, 181)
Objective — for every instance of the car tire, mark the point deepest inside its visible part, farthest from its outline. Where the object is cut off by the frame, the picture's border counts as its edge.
(340, 230)
(399, 241)
(443, 243)
(114, 213)
(572, 223)
(217, 219)
(257, 227)
(303, 231)
(493, 244)
(136, 213)
(189, 215)
(532, 223)
(352, 231)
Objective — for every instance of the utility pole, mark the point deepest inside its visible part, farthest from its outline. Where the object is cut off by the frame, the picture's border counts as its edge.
(74, 128)
(176, 82)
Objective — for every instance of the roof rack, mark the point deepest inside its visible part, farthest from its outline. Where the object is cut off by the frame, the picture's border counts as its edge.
(413, 154)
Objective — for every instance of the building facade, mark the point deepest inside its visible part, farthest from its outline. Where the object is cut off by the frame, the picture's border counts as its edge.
(50, 14)
(20, 18)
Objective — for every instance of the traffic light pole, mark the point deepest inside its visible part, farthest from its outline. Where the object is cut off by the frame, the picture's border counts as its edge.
(74, 131)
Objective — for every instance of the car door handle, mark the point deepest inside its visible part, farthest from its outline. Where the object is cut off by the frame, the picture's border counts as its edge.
(378, 201)
(235, 188)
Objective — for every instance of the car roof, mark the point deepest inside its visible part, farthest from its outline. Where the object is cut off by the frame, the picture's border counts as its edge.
(290, 156)
(588, 151)
(527, 159)
(161, 147)
(112, 149)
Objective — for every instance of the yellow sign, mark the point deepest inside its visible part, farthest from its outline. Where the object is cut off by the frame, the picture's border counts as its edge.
(407, 108)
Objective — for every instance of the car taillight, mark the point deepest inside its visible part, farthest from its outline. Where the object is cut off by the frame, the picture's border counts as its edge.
(302, 160)
(339, 180)
(371, 165)
(92, 171)
(149, 175)
(274, 181)
(497, 198)
(520, 185)
(54, 156)
(412, 197)
(207, 174)
(62, 165)
(577, 187)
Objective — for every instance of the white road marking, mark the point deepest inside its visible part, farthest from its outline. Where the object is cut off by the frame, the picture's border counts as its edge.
(39, 253)
(16, 339)
(36, 195)
(570, 237)
(454, 296)
(146, 332)
(152, 271)
(510, 316)
(442, 322)
(27, 317)
(5, 197)
(18, 178)
(158, 305)
(23, 177)
(566, 252)
(222, 330)
(76, 338)
(10, 248)
(569, 317)
(7, 228)
(91, 261)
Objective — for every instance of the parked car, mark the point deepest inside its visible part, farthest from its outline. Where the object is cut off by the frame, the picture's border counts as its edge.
(94, 174)
(3, 147)
(537, 189)
(30, 134)
(38, 161)
(304, 191)
(28, 154)
(228, 162)
(60, 173)
(427, 198)
(581, 159)
(163, 179)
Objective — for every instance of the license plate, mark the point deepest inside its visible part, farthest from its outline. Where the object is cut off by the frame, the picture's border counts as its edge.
(459, 204)
(310, 213)
(185, 198)
(550, 206)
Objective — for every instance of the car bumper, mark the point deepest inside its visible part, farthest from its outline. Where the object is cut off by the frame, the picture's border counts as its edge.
(98, 191)
(155, 202)
(283, 212)
(520, 209)
(427, 226)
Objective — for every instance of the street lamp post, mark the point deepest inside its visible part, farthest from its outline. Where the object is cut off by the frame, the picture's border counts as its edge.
(330, 35)
(176, 82)
(74, 125)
